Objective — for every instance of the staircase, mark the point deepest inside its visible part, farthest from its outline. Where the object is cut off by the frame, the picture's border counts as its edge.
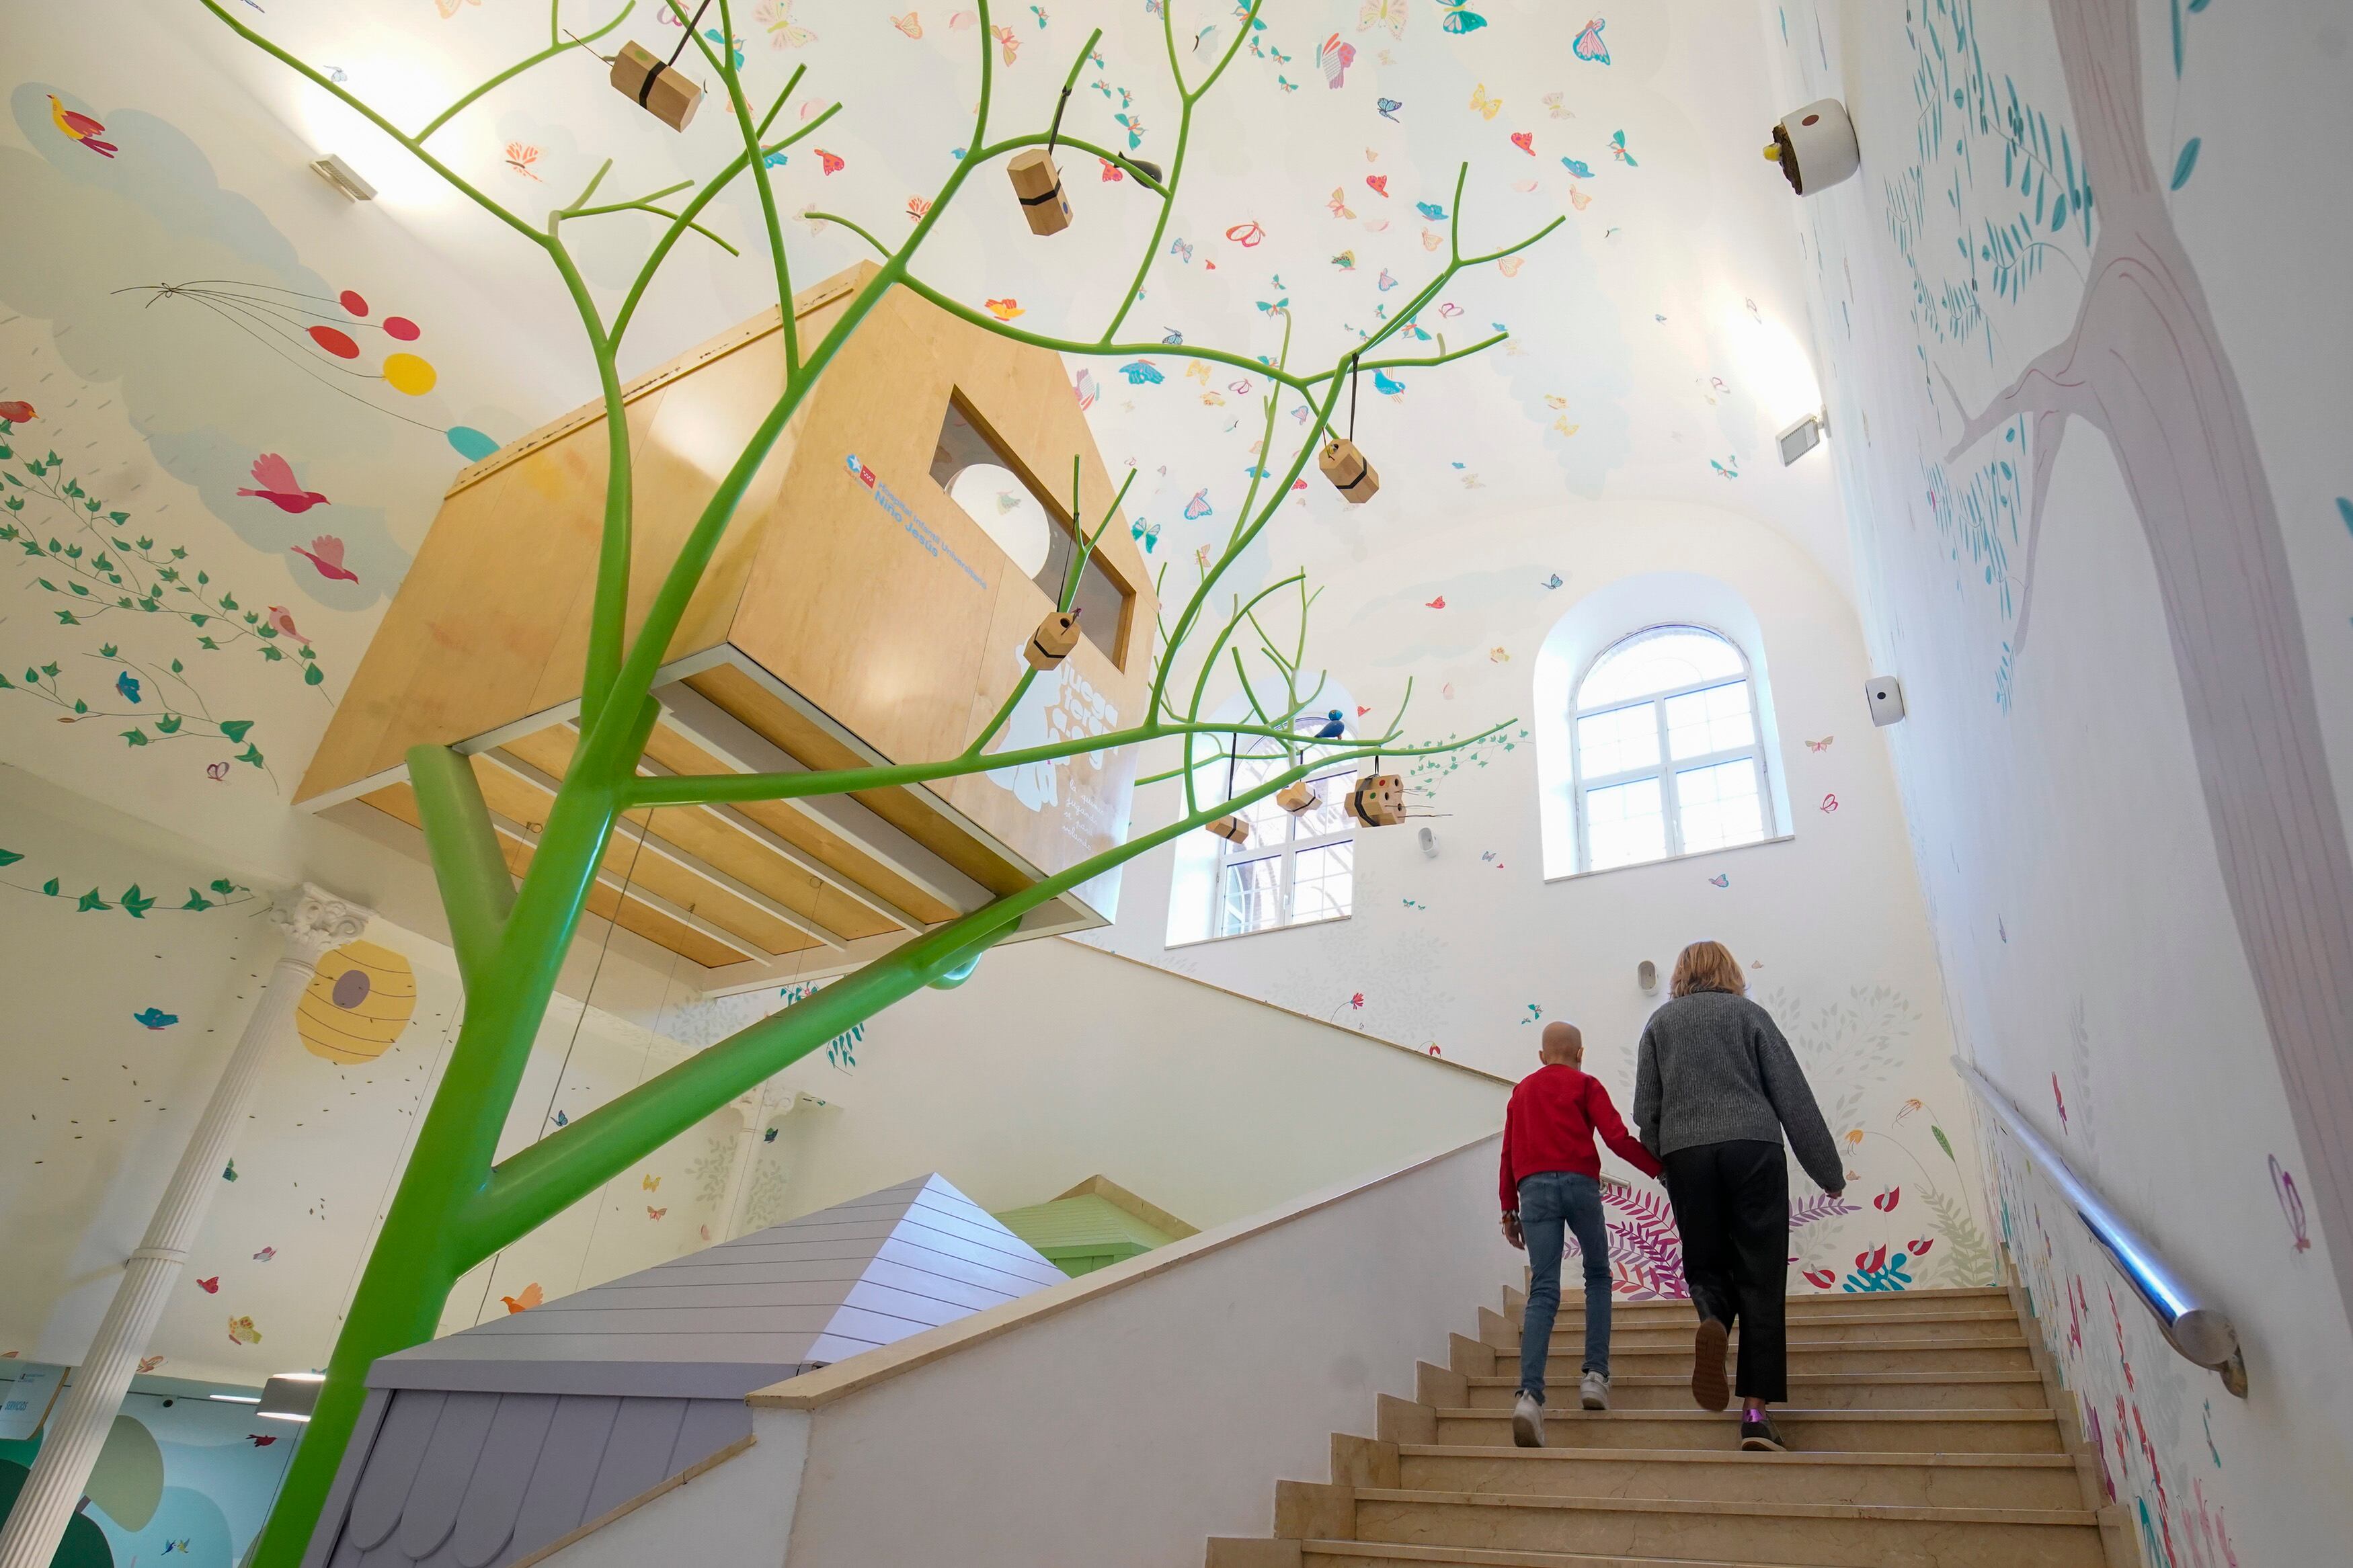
(1928, 1430)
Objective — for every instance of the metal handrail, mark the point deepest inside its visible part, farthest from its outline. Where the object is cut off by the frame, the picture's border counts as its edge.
(2201, 1333)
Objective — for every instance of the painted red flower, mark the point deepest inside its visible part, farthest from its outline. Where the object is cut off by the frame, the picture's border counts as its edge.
(1885, 1201)
(1920, 1247)
(1874, 1260)
(1821, 1278)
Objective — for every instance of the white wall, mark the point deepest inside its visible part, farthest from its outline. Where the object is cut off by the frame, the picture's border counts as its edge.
(1055, 1062)
(1459, 949)
(2093, 674)
(1146, 1417)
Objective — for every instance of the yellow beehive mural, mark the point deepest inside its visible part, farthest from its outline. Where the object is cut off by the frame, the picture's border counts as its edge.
(357, 1004)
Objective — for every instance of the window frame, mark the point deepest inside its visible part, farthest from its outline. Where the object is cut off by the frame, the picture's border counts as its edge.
(1667, 764)
(1287, 853)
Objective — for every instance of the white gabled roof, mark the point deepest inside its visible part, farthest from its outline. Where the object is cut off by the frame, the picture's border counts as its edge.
(746, 1313)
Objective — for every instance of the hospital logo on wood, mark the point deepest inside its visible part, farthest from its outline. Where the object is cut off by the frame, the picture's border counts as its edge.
(357, 1004)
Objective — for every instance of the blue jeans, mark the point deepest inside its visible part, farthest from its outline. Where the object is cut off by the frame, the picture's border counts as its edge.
(1550, 1202)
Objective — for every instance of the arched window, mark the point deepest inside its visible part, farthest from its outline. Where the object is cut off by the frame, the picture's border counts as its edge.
(1666, 754)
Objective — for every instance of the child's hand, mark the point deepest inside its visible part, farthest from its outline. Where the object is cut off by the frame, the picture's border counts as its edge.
(1512, 1232)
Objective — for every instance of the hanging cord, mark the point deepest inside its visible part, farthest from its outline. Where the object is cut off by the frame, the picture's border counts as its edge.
(1353, 372)
(691, 26)
(1055, 130)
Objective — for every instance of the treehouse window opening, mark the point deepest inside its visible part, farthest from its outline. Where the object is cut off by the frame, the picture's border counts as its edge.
(1296, 867)
(1667, 749)
(994, 491)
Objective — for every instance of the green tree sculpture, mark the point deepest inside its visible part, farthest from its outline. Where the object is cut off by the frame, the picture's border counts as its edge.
(454, 1207)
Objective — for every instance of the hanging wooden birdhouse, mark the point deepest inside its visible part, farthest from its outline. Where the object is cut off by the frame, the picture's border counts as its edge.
(1056, 635)
(1040, 185)
(1378, 800)
(1298, 799)
(1349, 473)
(1232, 827)
(1816, 147)
(656, 85)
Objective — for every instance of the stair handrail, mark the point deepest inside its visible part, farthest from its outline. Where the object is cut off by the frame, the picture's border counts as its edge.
(2201, 1334)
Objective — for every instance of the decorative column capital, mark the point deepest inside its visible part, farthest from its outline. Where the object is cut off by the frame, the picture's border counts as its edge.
(315, 919)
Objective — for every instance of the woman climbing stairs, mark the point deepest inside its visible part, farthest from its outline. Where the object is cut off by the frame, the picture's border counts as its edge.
(1928, 1430)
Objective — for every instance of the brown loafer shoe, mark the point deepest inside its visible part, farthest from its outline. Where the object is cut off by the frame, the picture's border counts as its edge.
(1709, 1386)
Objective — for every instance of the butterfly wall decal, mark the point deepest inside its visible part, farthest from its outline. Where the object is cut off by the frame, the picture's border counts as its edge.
(1134, 125)
(1142, 372)
(1246, 235)
(1181, 249)
(1526, 140)
(1822, 745)
(1386, 281)
(784, 33)
(1389, 14)
(1336, 58)
(1144, 533)
(1389, 108)
(1004, 310)
(1721, 879)
(1618, 149)
(1083, 388)
(1453, 18)
(1589, 46)
(653, 1213)
(1339, 201)
(1552, 581)
(1433, 211)
(909, 24)
(1377, 184)
(832, 163)
(1198, 507)
(1557, 104)
(1481, 103)
(1582, 171)
(1009, 42)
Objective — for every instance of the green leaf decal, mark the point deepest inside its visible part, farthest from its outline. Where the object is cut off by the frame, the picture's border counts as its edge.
(235, 729)
(90, 900)
(9, 856)
(135, 903)
(197, 902)
(2188, 161)
(1945, 1144)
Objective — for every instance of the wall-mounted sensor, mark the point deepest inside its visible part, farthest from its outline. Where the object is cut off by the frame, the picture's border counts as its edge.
(1815, 147)
(1646, 975)
(1885, 695)
(343, 177)
(1430, 843)
(1802, 438)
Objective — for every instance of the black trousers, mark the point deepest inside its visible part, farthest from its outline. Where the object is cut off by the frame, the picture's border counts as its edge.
(1731, 1206)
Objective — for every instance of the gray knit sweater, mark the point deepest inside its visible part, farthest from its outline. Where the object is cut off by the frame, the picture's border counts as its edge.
(1714, 1068)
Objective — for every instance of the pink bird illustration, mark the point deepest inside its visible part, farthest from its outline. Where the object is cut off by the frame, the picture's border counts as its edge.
(79, 128)
(278, 486)
(284, 621)
(326, 553)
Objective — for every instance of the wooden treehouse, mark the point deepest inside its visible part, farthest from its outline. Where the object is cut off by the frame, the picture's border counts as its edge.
(870, 604)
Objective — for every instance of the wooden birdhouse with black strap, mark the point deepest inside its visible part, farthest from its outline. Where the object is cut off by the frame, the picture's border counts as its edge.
(1040, 185)
(1298, 799)
(645, 77)
(1231, 827)
(1378, 800)
(1349, 473)
(907, 539)
(1056, 635)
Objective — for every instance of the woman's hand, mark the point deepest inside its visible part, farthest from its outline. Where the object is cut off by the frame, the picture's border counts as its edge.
(1512, 1232)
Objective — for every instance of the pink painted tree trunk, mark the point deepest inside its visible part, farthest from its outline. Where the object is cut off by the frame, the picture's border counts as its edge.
(2145, 365)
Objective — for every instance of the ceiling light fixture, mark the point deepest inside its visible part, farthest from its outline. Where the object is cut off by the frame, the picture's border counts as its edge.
(291, 1397)
(1803, 436)
(236, 1398)
(343, 177)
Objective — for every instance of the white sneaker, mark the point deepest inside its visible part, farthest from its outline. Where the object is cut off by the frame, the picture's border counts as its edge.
(1593, 1391)
(1527, 1421)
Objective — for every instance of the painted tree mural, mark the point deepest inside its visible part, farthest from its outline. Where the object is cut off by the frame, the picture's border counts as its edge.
(454, 1206)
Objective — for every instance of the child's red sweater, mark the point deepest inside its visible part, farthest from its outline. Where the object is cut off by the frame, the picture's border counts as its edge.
(1554, 1114)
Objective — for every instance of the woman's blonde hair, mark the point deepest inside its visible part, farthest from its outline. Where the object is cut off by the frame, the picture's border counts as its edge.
(1707, 967)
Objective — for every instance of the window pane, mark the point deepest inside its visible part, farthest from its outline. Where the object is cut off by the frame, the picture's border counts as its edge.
(1658, 660)
(1720, 805)
(1322, 882)
(1625, 823)
(1253, 897)
(1617, 742)
(1716, 720)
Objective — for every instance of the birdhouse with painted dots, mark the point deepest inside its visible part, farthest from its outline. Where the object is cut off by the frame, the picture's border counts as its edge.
(1039, 184)
(1051, 642)
(656, 85)
(1231, 827)
(1816, 147)
(1349, 473)
(1378, 800)
(897, 565)
(1298, 799)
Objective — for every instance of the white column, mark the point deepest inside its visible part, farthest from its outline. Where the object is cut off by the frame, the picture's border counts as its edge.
(78, 1427)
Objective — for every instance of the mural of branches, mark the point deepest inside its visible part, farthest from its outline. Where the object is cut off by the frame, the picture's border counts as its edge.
(454, 1206)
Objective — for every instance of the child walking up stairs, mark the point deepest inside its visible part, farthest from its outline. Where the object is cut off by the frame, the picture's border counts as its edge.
(1927, 1430)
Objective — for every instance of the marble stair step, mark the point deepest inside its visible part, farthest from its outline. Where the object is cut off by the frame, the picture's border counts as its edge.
(1818, 1326)
(1804, 1357)
(1828, 1390)
(1831, 1535)
(1911, 1431)
(1922, 1480)
(1877, 1303)
(1384, 1554)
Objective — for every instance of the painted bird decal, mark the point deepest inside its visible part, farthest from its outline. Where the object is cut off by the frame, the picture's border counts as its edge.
(17, 412)
(532, 1296)
(79, 128)
(326, 553)
(283, 620)
(154, 1018)
(279, 487)
(127, 684)
(1386, 383)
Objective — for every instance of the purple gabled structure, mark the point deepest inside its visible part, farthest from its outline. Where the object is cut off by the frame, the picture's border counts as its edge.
(491, 1444)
